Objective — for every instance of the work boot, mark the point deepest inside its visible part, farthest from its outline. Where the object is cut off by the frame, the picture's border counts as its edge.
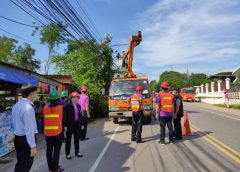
(133, 139)
(68, 157)
(79, 155)
(161, 142)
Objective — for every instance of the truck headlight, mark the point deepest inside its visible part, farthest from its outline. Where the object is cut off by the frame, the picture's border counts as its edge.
(147, 107)
(113, 108)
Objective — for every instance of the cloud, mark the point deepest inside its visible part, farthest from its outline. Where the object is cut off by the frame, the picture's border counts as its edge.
(185, 31)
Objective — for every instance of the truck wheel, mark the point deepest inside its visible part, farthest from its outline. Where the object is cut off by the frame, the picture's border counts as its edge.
(115, 120)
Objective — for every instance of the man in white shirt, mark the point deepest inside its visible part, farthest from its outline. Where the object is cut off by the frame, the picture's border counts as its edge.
(25, 128)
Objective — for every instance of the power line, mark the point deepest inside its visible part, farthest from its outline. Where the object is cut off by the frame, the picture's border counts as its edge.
(16, 21)
(59, 11)
(17, 36)
(115, 45)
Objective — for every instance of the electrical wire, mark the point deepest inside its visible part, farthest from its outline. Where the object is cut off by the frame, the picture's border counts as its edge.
(16, 21)
(17, 36)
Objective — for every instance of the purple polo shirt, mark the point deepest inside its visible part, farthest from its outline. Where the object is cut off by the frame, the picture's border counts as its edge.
(63, 102)
(75, 112)
(162, 113)
(83, 101)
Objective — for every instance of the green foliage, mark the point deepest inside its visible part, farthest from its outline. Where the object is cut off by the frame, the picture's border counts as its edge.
(197, 79)
(20, 56)
(51, 35)
(89, 64)
(153, 85)
(237, 82)
(175, 79)
(23, 57)
(7, 46)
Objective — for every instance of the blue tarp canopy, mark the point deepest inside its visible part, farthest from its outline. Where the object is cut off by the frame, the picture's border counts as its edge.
(16, 77)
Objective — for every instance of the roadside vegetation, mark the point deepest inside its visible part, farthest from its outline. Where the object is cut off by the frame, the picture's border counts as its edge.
(233, 106)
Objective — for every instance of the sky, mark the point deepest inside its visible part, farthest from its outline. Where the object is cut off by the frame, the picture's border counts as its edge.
(182, 35)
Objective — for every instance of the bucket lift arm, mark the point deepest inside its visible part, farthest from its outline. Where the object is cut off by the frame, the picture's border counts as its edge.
(134, 41)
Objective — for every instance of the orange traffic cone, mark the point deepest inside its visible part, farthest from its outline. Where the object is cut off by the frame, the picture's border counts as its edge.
(186, 126)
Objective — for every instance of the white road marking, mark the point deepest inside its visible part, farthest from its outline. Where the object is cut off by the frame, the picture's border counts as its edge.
(103, 151)
(215, 113)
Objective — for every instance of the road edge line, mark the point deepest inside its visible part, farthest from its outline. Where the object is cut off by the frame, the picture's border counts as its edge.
(223, 150)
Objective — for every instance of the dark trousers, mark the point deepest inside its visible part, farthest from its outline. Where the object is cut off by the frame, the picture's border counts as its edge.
(163, 121)
(177, 128)
(83, 132)
(23, 151)
(75, 131)
(54, 144)
(137, 125)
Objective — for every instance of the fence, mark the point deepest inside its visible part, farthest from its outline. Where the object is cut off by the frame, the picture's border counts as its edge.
(234, 95)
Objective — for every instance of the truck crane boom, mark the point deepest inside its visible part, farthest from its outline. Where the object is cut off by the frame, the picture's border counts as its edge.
(134, 41)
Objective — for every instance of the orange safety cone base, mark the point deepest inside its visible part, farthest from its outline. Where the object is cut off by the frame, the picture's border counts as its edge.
(186, 126)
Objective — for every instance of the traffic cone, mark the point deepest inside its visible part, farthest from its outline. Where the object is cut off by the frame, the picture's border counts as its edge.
(186, 126)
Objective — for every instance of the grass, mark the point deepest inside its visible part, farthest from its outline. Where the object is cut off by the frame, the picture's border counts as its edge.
(233, 106)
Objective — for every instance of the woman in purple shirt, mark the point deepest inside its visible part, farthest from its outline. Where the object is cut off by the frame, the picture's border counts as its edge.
(72, 124)
(84, 103)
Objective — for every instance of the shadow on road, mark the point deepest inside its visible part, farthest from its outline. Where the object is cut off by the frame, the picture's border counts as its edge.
(191, 111)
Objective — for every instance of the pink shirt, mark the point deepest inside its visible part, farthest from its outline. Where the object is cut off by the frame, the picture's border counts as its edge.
(83, 101)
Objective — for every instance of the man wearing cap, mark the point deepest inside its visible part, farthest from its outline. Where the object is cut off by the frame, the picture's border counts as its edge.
(137, 114)
(53, 121)
(63, 100)
(25, 128)
(84, 103)
(178, 112)
(165, 110)
(72, 124)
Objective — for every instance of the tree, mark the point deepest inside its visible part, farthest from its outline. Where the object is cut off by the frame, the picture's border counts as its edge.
(52, 35)
(196, 79)
(153, 85)
(23, 56)
(175, 79)
(7, 46)
(89, 64)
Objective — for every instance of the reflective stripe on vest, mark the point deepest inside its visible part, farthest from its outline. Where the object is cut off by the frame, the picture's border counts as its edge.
(51, 127)
(53, 120)
(52, 116)
(135, 104)
(166, 101)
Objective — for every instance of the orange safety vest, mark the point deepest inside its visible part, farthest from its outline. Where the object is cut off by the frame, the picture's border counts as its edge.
(166, 102)
(53, 120)
(136, 103)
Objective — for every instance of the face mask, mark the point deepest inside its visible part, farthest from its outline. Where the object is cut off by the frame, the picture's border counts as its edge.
(35, 98)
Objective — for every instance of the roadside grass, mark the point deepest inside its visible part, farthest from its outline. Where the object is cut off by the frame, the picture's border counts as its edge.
(233, 106)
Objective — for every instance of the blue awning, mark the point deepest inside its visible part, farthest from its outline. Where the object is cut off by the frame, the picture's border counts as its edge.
(16, 77)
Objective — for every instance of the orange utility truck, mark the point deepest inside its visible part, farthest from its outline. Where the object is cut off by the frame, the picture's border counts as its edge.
(124, 85)
(188, 94)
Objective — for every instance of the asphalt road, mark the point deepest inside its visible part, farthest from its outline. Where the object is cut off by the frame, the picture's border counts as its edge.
(214, 146)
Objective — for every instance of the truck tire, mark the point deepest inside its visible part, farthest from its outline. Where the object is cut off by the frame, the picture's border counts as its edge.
(115, 120)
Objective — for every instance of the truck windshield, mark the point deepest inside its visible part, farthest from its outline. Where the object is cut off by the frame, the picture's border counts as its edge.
(189, 91)
(121, 90)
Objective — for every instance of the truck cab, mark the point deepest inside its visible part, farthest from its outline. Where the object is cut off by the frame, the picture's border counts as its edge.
(121, 90)
(188, 94)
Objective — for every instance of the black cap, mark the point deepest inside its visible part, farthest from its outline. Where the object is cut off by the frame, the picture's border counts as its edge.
(177, 89)
(27, 89)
